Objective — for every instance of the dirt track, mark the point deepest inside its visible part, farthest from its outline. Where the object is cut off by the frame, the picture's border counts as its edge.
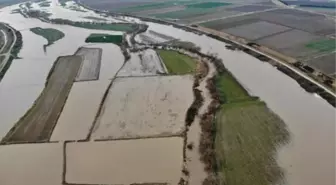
(37, 124)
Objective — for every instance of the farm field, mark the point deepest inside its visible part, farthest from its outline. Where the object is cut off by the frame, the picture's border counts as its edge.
(38, 123)
(229, 89)
(326, 45)
(177, 63)
(152, 161)
(52, 35)
(143, 63)
(124, 27)
(104, 38)
(158, 99)
(325, 63)
(112, 60)
(247, 136)
(152, 37)
(252, 31)
(35, 157)
(90, 66)
(80, 110)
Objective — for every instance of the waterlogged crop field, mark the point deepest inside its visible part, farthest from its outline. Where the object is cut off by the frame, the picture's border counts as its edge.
(247, 136)
(153, 161)
(90, 67)
(138, 107)
(31, 164)
(177, 63)
(143, 63)
(38, 123)
(80, 110)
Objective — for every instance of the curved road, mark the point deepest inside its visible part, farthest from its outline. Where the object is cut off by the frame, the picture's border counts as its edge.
(7, 55)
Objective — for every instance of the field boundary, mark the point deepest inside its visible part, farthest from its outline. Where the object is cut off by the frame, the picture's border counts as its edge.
(43, 133)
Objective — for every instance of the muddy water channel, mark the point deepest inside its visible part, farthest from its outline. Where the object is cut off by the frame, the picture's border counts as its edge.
(309, 157)
(25, 79)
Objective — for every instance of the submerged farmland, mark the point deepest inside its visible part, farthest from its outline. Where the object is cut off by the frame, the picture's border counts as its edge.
(37, 124)
(140, 118)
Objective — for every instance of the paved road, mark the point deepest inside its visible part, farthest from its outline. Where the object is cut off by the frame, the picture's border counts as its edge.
(7, 55)
(271, 57)
(5, 37)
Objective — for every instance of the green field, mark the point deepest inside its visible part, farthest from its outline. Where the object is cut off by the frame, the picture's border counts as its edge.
(126, 27)
(177, 63)
(183, 14)
(152, 6)
(52, 35)
(104, 38)
(247, 136)
(95, 18)
(229, 89)
(325, 45)
(208, 5)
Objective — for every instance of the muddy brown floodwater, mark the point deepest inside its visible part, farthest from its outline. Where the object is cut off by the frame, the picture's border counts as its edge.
(309, 158)
(31, 164)
(156, 160)
(38, 123)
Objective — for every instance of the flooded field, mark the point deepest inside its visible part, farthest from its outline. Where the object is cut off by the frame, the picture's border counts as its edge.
(79, 111)
(38, 123)
(308, 159)
(88, 163)
(89, 70)
(143, 63)
(145, 107)
(304, 114)
(31, 164)
(27, 75)
(111, 60)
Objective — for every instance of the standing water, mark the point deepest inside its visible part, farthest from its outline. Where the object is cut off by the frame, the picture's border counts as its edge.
(309, 158)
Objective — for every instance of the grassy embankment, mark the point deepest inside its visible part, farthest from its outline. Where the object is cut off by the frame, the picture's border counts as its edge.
(104, 38)
(177, 63)
(126, 27)
(95, 18)
(247, 136)
(52, 35)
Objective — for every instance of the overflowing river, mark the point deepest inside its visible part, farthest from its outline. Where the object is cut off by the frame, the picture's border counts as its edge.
(308, 159)
(25, 79)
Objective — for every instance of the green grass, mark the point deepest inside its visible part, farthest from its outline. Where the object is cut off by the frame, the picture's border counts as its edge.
(95, 18)
(104, 38)
(229, 89)
(125, 27)
(247, 135)
(177, 63)
(52, 35)
(183, 14)
(152, 6)
(325, 45)
(208, 5)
